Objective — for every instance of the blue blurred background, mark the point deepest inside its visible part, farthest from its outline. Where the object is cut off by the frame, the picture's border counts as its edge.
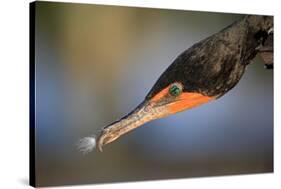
(96, 63)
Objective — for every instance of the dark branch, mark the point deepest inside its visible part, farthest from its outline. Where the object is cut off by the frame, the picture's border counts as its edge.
(266, 52)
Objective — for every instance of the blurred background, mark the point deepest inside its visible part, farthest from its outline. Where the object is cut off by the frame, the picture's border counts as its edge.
(96, 63)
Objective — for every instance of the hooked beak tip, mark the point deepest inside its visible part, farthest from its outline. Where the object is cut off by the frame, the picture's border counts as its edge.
(100, 148)
(105, 137)
(136, 118)
(100, 141)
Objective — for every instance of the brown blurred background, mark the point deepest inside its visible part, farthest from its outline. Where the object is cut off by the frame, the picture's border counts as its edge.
(96, 63)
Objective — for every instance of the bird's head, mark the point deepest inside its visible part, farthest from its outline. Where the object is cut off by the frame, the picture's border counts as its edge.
(165, 98)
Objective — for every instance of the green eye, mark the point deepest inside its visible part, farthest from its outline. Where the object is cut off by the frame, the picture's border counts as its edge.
(175, 90)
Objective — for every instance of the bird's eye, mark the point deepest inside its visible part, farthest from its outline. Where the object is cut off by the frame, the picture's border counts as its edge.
(175, 90)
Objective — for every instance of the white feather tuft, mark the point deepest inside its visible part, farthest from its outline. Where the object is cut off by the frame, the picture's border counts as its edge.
(87, 144)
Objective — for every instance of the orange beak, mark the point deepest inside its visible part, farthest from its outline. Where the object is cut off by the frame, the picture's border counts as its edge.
(161, 105)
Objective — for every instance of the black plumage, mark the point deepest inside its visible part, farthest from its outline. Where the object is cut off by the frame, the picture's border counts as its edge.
(214, 65)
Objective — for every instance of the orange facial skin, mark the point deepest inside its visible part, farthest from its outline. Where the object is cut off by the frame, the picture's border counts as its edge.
(189, 100)
(185, 100)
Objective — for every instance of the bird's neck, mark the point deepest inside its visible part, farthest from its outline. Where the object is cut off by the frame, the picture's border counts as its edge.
(259, 23)
(257, 29)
